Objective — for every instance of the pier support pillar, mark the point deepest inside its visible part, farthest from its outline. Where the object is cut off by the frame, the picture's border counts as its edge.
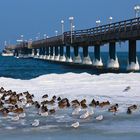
(40, 53)
(16, 53)
(68, 56)
(77, 57)
(56, 51)
(86, 58)
(113, 60)
(51, 53)
(43, 53)
(133, 64)
(37, 53)
(34, 52)
(97, 58)
(62, 58)
(47, 55)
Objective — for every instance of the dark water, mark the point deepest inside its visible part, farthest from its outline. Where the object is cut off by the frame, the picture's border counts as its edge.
(113, 127)
(31, 68)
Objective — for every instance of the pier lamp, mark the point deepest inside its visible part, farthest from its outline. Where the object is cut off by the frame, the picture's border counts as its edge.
(110, 19)
(71, 26)
(45, 36)
(137, 10)
(38, 35)
(36, 38)
(62, 29)
(56, 33)
(98, 22)
(21, 36)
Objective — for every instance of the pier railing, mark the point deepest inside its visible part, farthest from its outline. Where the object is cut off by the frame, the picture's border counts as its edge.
(91, 34)
(118, 27)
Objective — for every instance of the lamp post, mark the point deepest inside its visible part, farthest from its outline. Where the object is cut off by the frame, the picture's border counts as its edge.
(137, 10)
(110, 19)
(36, 38)
(62, 29)
(56, 33)
(98, 23)
(45, 36)
(38, 34)
(71, 27)
(21, 36)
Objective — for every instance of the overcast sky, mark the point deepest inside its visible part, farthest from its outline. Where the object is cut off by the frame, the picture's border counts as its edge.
(31, 17)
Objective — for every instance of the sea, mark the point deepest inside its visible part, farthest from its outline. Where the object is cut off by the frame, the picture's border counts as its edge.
(40, 77)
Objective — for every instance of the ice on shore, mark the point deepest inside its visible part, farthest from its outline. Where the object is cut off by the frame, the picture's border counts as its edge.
(103, 87)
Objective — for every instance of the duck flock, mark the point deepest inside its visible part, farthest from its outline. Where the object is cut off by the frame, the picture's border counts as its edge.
(16, 105)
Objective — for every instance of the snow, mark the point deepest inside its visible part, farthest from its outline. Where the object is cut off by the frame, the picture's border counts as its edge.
(103, 87)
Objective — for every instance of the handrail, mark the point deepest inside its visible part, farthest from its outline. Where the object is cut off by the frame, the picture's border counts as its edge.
(105, 28)
(96, 31)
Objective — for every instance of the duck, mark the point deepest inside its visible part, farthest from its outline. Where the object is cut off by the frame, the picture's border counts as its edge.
(133, 107)
(113, 109)
(59, 99)
(130, 108)
(5, 112)
(83, 101)
(113, 106)
(127, 89)
(64, 103)
(45, 96)
(94, 103)
(52, 111)
(75, 103)
(129, 111)
(18, 110)
(83, 104)
(104, 104)
(54, 97)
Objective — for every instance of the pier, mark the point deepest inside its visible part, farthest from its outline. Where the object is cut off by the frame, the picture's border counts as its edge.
(58, 48)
